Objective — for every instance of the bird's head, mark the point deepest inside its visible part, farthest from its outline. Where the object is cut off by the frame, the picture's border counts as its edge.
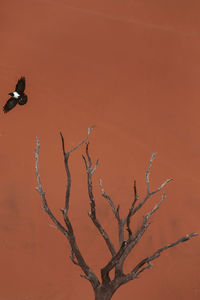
(11, 94)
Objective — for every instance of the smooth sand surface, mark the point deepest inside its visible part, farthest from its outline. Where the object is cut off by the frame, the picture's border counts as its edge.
(132, 68)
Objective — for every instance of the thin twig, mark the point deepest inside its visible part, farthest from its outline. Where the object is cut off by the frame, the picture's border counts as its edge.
(148, 172)
(162, 186)
(108, 198)
(81, 143)
(156, 206)
(85, 277)
(131, 211)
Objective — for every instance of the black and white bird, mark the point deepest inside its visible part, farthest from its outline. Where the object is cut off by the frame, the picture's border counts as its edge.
(17, 97)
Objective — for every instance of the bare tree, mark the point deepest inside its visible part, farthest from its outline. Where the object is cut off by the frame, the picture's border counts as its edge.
(105, 287)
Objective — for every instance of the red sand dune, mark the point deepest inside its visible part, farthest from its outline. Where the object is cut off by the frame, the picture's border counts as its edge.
(132, 68)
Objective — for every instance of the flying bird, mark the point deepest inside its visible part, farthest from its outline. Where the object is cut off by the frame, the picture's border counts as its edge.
(17, 97)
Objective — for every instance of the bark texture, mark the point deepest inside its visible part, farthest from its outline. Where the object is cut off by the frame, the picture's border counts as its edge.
(103, 293)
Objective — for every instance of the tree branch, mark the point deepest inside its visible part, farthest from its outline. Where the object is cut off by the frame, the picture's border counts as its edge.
(148, 172)
(108, 198)
(92, 213)
(75, 252)
(115, 212)
(131, 211)
(42, 193)
(137, 270)
(72, 257)
(80, 260)
(81, 143)
(118, 257)
(134, 239)
(112, 263)
(66, 159)
(149, 194)
(85, 277)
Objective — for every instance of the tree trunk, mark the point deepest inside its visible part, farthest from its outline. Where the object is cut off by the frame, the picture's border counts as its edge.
(103, 293)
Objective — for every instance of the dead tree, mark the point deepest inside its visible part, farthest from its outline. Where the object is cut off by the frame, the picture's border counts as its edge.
(105, 287)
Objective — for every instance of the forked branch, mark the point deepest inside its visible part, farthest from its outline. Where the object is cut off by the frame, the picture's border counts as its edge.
(133, 239)
(140, 267)
(115, 211)
(42, 193)
(92, 214)
(106, 288)
(76, 255)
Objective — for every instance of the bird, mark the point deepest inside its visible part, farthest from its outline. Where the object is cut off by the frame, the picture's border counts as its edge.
(17, 97)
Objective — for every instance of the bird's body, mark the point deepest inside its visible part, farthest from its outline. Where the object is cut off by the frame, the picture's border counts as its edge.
(17, 97)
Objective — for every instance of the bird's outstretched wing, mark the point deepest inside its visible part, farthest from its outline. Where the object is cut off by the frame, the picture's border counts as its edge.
(20, 86)
(10, 104)
(22, 100)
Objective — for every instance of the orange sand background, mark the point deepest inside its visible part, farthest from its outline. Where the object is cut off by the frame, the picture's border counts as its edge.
(132, 68)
